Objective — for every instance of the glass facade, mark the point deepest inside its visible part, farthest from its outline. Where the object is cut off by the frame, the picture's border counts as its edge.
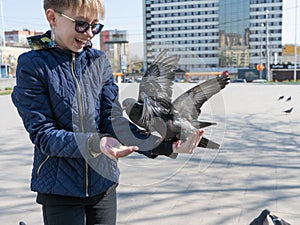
(234, 33)
(214, 33)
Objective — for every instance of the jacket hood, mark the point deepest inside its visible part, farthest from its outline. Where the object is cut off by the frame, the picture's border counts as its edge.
(44, 41)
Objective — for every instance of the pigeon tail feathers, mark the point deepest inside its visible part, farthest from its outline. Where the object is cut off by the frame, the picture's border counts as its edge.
(206, 143)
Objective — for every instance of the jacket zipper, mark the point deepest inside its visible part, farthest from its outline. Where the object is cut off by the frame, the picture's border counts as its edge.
(41, 165)
(81, 122)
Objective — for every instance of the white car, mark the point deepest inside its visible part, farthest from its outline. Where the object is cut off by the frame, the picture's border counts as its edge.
(259, 81)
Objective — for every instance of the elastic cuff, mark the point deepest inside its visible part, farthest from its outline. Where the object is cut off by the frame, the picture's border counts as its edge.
(94, 144)
(164, 148)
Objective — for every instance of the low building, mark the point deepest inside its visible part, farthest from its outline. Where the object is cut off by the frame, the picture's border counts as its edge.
(9, 56)
(15, 45)
(18, 38)
(115, 44)
(285, 72)
(288, 54)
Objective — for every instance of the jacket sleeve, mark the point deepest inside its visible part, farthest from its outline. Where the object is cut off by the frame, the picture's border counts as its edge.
(31, 99)
(114, 123)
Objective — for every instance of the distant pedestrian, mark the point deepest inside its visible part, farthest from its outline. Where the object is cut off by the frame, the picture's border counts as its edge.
(68, 101)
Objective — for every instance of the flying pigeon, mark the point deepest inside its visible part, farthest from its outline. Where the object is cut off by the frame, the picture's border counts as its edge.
(173, 120)
(262, 219)
(278, 221)
(288, 110)
(289, 98)
(281, 97)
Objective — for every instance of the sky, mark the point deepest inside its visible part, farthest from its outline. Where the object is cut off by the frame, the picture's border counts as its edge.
(120, 14)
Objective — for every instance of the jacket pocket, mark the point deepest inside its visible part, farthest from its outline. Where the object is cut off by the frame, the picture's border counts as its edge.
(41, 165)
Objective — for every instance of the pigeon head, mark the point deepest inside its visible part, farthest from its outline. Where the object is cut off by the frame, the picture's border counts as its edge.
(226, 73)
(265, 212)
(127, 104)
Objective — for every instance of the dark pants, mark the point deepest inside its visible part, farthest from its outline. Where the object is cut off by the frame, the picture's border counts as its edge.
(103, 212)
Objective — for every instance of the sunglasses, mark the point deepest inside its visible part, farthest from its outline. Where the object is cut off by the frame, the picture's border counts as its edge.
(83, 26)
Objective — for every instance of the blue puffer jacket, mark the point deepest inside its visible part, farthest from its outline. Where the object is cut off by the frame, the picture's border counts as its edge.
(64, 99)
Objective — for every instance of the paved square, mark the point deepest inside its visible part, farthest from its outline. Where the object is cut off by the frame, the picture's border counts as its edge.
(257, 166)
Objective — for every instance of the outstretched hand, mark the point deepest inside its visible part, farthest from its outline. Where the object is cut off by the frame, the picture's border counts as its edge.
(112, 148)
(190, 144)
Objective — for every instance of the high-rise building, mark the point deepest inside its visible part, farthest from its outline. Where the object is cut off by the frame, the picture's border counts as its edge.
(214, 33)
(265, 31)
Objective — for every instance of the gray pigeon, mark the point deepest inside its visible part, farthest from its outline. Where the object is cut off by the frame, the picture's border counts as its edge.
(155, 111)
(278, 221)
(262, 219)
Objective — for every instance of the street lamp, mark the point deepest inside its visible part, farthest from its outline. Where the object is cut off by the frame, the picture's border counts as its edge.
(3, 40)
(295, 47)
(267, 47)
(260, 60)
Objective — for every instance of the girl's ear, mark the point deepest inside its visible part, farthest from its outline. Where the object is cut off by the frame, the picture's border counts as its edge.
(51, 17)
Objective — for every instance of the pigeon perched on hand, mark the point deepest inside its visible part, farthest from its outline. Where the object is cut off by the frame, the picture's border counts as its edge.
(173, 120)
(262, 219)
(278, 221)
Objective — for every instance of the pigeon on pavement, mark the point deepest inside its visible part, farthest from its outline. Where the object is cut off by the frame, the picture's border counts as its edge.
(281, 97)
(278, 221)
(262, 219)
(173, 120)
(289, 98)
(288, 110)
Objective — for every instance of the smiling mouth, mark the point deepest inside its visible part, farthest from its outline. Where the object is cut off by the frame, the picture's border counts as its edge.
(82, 41)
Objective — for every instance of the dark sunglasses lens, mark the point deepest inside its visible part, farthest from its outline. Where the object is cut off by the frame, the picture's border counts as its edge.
(81, 26)
(96, 29)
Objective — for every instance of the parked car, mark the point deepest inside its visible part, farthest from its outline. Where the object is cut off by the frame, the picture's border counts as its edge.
(259, 81)
(239, 80)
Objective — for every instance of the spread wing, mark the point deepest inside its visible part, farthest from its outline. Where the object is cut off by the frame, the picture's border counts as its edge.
(189, 104)
(158, 80)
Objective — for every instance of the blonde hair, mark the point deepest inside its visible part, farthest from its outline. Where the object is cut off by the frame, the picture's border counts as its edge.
(75, 5)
